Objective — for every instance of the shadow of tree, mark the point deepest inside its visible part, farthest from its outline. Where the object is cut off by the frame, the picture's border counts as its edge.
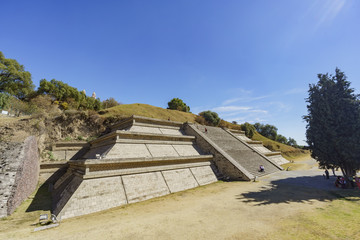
(299, 189)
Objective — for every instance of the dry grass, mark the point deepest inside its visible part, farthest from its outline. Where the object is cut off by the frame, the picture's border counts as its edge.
(215, 211)
(145, 110)
(287, 151)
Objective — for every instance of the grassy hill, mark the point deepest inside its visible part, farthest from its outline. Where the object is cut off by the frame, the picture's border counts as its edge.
(127, 110)
(287, 151)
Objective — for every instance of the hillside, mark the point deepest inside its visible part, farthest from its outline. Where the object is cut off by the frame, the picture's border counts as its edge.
(127, 110)
(287, 151)
(86, 125)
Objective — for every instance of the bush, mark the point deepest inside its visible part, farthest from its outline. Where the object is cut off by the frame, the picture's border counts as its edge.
(211, 118)
(108, 103)
(249, 129)
(4, 100)
(200, 119)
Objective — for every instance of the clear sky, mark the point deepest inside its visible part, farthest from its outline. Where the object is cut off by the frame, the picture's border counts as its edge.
(246, 60)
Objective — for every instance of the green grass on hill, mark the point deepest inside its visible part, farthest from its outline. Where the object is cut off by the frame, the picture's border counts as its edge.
(287, 151)
(145, 110)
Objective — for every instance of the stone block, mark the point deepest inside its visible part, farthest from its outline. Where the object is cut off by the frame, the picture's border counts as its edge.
(160, 150)
(179, 180)
(261, 148)
(186, 150)
(145, 129)
(170, 131)
(95, 195)
(59, 155)
(144, 186)
(204, 175)
(70, 154)
(124, 150)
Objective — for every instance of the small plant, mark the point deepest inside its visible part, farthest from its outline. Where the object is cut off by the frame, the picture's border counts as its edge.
(68, 138)
(51, 156)
(89, 139)
(80, 138)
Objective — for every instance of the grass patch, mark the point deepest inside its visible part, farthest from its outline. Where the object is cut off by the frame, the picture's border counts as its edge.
(127, 110)
(288, 152)
(338, 220)
(29, 211)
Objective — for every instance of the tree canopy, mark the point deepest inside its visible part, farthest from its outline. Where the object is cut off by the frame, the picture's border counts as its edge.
(67, 96)
(269, 131)
(212, 118)
(333, 123)
(14, 79)
(178, 104)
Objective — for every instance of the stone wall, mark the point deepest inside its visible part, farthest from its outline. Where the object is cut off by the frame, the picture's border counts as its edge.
(75, 196)
(19, 174)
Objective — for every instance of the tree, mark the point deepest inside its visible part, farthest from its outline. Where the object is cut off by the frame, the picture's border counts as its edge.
(4, 100)
(212, 118)
(333, 123)
(111, 102)
(281, 139)
(14, 79)
(178, 104)
(269, 131)
(58, 90)
(249, 129)
(292, 142)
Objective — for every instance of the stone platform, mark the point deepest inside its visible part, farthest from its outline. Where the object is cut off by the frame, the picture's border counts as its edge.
(141, 158)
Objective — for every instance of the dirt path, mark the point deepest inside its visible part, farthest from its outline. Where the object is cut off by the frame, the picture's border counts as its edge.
(223, 210)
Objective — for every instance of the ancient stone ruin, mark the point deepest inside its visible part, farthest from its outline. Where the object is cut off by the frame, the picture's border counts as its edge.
(140, 158)
(143, 158)
(19, 172)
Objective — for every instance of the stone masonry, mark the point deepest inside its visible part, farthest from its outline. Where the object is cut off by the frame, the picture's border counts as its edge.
(19, 172)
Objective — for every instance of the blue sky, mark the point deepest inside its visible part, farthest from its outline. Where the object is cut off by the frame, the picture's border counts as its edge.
(246, 60)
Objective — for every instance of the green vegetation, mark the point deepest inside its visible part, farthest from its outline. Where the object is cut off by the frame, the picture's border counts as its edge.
(14, 79)
(108, 103)
(68, 97)
(270, 131)
(4, 100)
(249, 129)
(211, 118)
(178, 104)
(127, 110)
(336, 220)
(287, 151)
(333, 123)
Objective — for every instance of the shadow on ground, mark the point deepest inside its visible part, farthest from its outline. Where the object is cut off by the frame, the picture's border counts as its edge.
(299, 189)
(41, 200)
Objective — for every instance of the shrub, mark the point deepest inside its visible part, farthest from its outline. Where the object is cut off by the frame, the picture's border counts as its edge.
(178, 104)
(211, 118)
(249, 129)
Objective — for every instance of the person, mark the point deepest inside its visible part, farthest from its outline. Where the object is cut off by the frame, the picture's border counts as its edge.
(327, 174)
(261, 168)
(357, 181)
(205, 130)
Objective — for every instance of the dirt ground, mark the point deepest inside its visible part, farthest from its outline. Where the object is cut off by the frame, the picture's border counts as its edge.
(223, 210)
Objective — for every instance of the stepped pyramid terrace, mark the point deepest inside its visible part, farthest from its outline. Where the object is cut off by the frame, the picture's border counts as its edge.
(143, 158)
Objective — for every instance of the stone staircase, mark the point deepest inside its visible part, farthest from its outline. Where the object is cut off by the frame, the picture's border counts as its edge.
(244, 154)
(258, 146)
(141, 158)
